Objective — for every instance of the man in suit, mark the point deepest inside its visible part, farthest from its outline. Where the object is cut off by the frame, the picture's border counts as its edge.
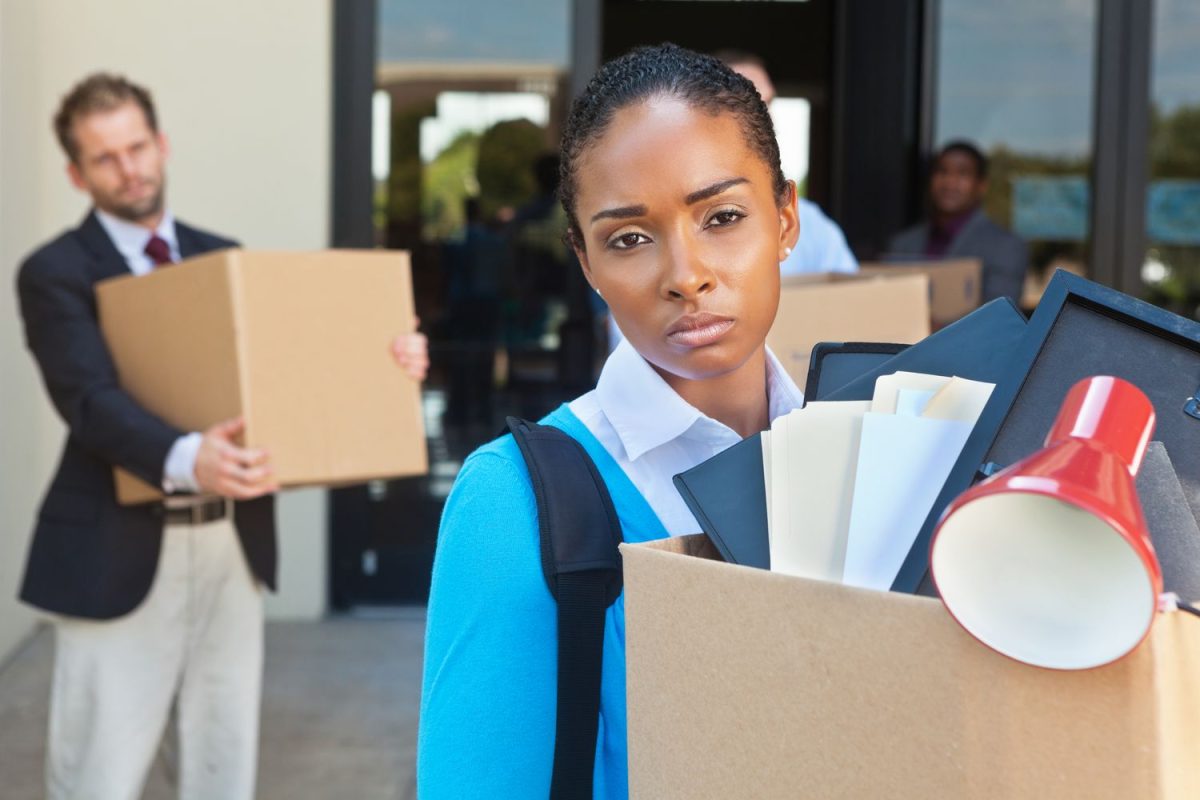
(161, 603)
(958, 227)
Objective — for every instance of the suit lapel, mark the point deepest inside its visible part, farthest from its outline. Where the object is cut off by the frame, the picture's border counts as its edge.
(188, 244)
(106, 257)
(969, 230)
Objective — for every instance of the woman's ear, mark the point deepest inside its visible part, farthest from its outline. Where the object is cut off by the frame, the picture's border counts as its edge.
(789, 222)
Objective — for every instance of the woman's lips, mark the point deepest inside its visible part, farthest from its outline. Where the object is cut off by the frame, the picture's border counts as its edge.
(698, 330)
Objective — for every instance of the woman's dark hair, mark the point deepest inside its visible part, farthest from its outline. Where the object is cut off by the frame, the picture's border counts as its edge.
(702, 81)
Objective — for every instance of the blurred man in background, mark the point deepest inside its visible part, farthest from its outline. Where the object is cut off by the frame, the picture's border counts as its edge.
(958, 228)
(822, 246)
(157, 604)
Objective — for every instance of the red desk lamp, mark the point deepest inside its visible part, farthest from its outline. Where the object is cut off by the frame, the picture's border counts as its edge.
(1049, 561)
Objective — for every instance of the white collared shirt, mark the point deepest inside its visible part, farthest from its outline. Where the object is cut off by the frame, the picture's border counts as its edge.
(654, 434)
(130, 239)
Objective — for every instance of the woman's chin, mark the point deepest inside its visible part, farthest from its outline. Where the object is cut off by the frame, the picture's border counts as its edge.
(700, 363)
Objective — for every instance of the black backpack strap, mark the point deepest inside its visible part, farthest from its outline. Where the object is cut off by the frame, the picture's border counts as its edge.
(579, 533)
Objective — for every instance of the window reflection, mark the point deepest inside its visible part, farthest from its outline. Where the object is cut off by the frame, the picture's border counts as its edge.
(1016, 78)
(1172, 267)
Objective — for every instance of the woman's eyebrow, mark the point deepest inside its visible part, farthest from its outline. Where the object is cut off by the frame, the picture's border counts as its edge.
(624, 212)
(713, 190)
(628, 212)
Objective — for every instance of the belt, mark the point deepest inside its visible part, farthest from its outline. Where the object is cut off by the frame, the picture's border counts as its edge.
(197, 513)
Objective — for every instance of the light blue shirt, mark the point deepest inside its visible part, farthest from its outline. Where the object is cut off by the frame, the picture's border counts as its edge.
(489, 693)
(821, 247)
(130, 239)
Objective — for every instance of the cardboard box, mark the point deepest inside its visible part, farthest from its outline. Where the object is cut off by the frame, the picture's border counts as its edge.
(955, 285)
(836, 307)
(297, 343)
(747, 683)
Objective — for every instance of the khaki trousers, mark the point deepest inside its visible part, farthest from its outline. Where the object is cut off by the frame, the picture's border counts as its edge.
(195, 641)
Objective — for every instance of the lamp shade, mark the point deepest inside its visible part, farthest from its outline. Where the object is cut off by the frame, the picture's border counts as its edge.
(1049, 561)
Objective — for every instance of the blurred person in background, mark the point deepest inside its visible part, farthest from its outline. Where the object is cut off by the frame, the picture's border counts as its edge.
(476, 266)
(958, 228)
(822, 245)
(157, 604)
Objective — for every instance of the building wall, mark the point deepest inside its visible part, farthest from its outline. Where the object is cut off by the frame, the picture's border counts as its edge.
(243, 92)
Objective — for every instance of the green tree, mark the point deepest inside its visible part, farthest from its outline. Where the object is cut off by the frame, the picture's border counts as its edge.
(507, 151)
(447, 182)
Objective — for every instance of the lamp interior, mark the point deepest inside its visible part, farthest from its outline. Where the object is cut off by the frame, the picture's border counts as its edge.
(1043, 581)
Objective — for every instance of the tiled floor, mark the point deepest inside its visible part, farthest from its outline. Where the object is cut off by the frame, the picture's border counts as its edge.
(339, 718)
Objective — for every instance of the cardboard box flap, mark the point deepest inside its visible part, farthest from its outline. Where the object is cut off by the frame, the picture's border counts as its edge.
(955, 284)
(743, 683)
(327, 375)
(846, 308)
(136, 311)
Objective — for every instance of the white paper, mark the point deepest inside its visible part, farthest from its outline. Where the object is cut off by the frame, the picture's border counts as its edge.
(902, 464)
(912, 402)
(777, 512)
(960, 399)
(813, 508)
(765, 440)
(887, 388)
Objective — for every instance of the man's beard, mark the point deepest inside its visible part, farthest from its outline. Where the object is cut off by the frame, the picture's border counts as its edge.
(137, 212)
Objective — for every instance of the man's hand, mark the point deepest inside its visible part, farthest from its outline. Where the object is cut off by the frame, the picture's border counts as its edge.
(411, 351)
(228, 470)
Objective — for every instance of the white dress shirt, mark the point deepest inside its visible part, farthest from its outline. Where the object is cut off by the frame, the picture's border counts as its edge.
(179, 472)
(654, 434)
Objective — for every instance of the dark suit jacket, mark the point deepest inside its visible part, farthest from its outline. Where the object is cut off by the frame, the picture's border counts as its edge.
(1005, 257)
(91, 557)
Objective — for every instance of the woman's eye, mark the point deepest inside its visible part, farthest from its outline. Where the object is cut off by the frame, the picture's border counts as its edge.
(723, 218)
(627, 241)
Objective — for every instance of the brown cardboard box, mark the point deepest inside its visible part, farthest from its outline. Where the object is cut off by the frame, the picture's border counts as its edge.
(747, 683)
(835, 307)
(955, 285)
(297, 343)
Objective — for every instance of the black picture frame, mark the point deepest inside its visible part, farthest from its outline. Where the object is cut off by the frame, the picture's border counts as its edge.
(824, 354)
(1130, 327)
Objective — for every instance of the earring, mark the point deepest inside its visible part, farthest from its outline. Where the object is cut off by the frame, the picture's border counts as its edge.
(599, 295)
(787, 251)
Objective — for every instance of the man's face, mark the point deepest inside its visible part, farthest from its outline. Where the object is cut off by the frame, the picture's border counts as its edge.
(120, 163)
(956, 186)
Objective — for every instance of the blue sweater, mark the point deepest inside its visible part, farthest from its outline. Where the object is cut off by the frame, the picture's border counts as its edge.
(488, 698)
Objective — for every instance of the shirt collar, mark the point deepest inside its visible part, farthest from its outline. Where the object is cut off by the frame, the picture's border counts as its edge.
(950, 228)
(131, 239)
(647, 413)
(783, 395)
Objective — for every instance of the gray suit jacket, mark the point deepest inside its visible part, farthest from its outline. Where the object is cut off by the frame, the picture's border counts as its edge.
(1005, 257)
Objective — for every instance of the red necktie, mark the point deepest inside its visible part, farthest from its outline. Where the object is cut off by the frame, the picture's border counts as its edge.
(159, 251)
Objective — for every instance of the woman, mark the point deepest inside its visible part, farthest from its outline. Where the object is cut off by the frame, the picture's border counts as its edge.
(680, 216)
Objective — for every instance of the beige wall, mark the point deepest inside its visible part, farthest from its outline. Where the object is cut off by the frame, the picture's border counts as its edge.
(243, 91)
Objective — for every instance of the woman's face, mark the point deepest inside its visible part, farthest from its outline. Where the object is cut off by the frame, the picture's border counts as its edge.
(684, 235)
